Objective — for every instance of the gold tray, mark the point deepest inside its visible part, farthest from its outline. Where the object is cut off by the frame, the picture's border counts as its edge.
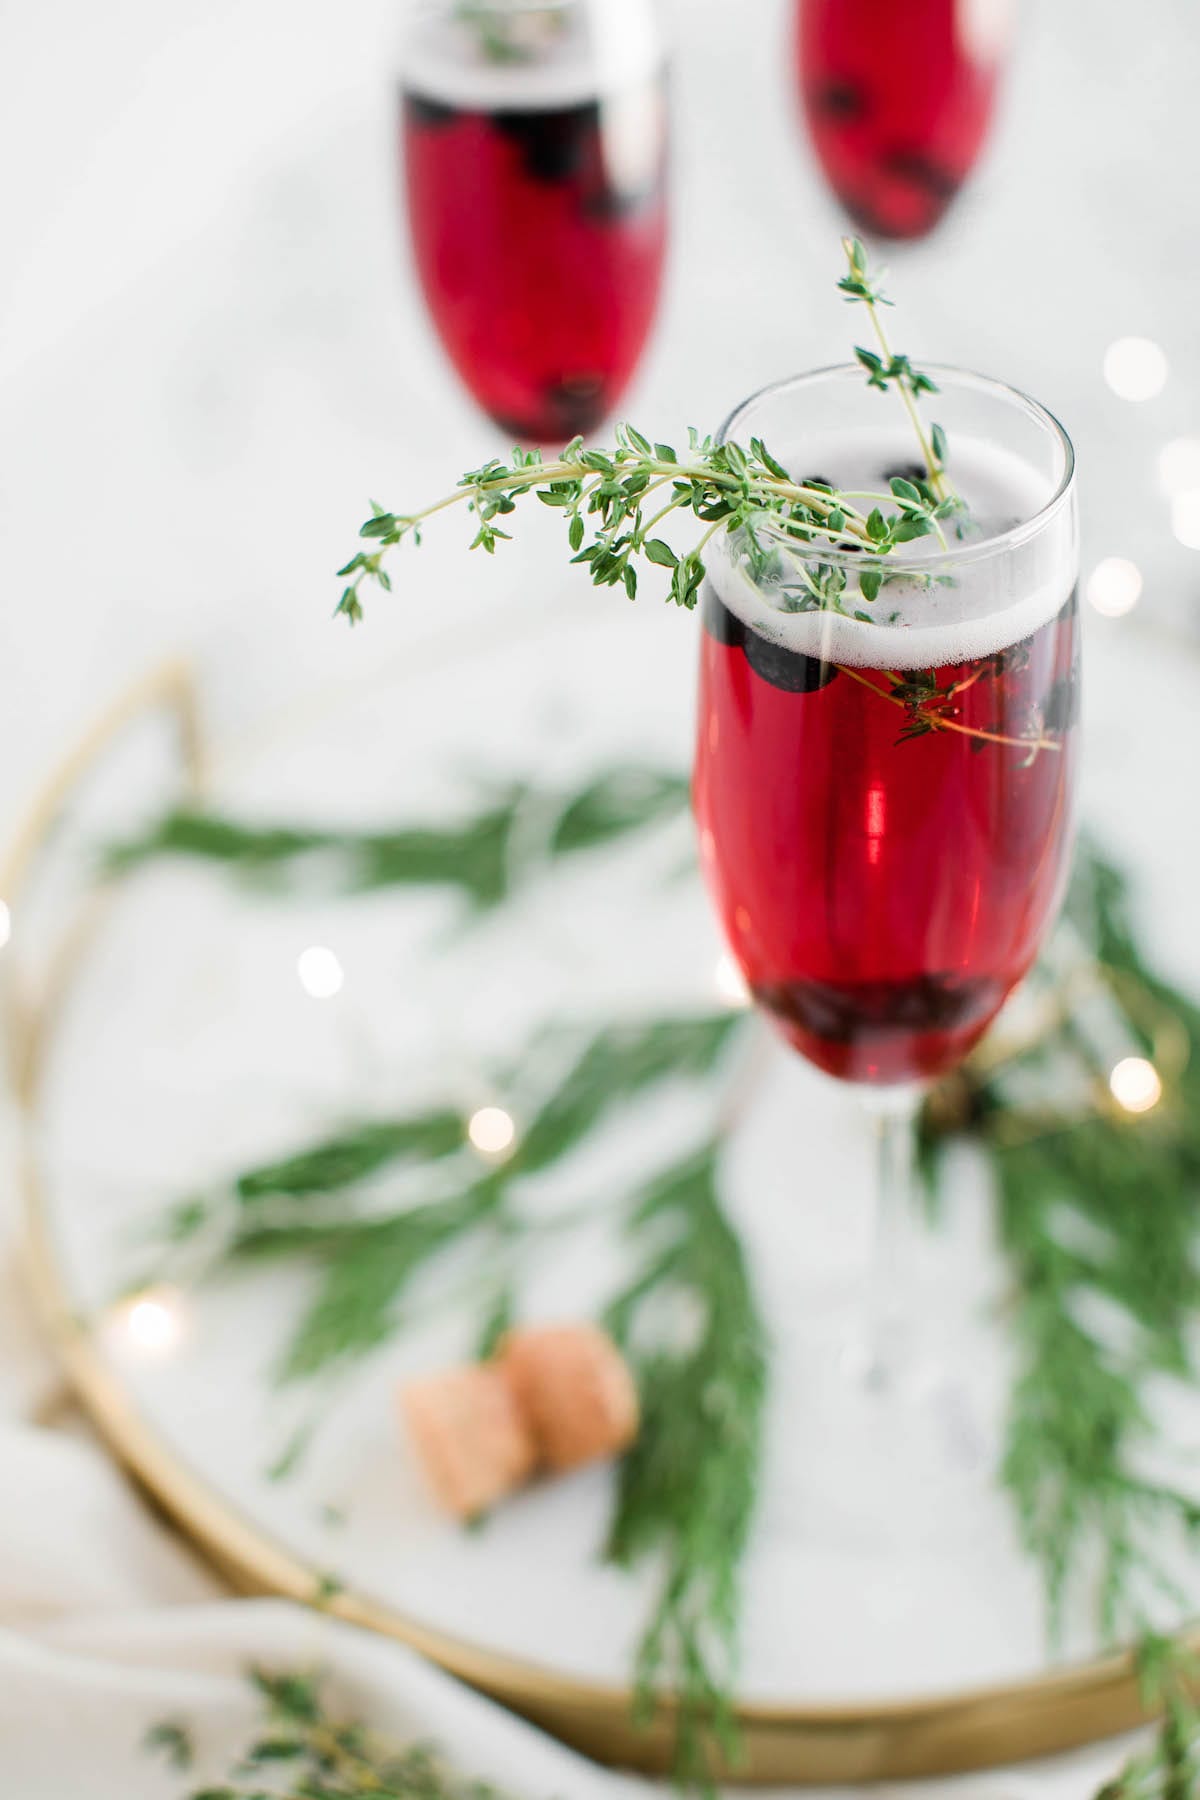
(932, 1735)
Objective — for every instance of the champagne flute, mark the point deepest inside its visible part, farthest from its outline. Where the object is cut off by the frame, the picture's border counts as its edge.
(885, 802)
(898, 101)
(533, 144)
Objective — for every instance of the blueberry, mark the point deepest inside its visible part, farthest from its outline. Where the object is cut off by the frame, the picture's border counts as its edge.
(908, 471)
(424, 114)
(1069, 607)
(921, 171)
(552, 143)
(719, 622)
(789, 670)
(576, 403)
(842, 1012)
(1060, 709)
(840, 100)
(521, 431)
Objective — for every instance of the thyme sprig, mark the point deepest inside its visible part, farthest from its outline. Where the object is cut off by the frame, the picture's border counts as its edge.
(302, 1751)
(623, 496)
(508, 35)
(306, 1752)
(611, 492)
(884, 367)
(929, 707)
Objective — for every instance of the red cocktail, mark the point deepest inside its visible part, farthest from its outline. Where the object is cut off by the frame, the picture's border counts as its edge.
(885, 750)
(898, 100)
(536, 192)
(884, 897)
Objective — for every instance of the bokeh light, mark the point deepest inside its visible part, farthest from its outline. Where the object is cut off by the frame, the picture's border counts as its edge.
(729, 981)
(320, 972)
(491, 1130)
(1185, 518)
(1114, 586)
(1135, 1084)
(1179, 465)
(1135, 368)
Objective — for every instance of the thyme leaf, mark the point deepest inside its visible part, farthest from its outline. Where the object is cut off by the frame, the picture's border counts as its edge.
(303, 1751)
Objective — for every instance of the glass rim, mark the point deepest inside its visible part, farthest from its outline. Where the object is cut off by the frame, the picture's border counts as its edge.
(1023, 532)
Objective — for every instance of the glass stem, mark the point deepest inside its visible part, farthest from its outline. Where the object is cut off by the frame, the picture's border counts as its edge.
(893, 1113)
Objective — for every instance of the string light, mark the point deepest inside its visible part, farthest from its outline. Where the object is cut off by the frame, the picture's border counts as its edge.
(5, 924)
(1135, 368)
(729, 981)
(1114, 586)
(1185, 518)
(152, 1322)
(491, 1130)
(1135, 1084)
(320, 972)
(1179, 465)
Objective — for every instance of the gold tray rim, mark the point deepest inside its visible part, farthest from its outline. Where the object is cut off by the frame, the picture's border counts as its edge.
(937, 1734)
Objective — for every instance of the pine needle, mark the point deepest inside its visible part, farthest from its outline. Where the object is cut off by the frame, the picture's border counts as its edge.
(1078, 1424)
(481, 856)
(688, 1487)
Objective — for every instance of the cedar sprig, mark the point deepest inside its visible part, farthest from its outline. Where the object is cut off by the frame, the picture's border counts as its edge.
(1079, 1429)
(687, 1489)
(308, 1205)
(485, 856)
(1169, 1767)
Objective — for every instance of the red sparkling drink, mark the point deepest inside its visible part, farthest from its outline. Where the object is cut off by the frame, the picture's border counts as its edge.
(882, 897)
(539, 234)
(884, 800)
(898, 99)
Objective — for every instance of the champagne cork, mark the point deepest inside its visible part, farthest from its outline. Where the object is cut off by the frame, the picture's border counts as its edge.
(472, 1440)
(575, 1391)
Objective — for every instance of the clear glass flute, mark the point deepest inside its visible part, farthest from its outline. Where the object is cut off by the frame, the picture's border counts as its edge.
(898, 101)
(884, 800)
(533, 147)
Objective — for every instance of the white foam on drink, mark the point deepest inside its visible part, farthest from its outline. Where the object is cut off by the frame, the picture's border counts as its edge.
(601, 47)
(986, 604)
